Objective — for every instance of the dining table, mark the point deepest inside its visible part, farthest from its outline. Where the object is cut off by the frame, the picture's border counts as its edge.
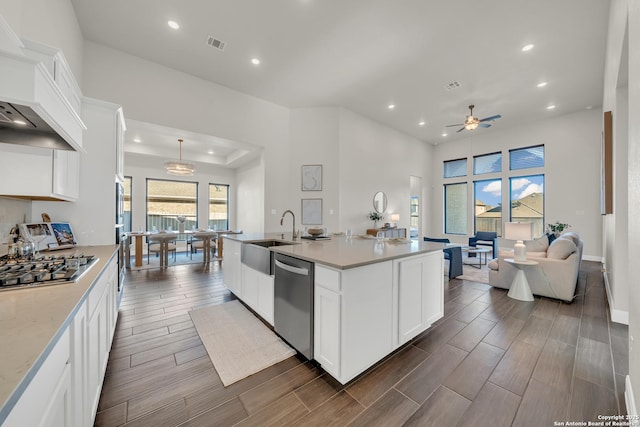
(163, 237)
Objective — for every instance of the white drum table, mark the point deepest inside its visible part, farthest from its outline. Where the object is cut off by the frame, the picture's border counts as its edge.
(520, 289)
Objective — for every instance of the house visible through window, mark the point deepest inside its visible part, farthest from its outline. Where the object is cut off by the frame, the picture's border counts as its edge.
(218, 207)
(527, 201)
(488, 205)
(455, 208)
(166, 200)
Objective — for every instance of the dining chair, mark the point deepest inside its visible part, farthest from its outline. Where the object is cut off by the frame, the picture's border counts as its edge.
(154, 246)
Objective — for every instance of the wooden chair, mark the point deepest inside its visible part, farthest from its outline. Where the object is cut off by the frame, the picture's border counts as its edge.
(154, 246)
(196, 244)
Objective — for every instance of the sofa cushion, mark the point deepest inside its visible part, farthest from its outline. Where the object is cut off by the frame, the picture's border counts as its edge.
(537, 245)
(493, 265)
(571, 236)
(536, 254)
(561, 249)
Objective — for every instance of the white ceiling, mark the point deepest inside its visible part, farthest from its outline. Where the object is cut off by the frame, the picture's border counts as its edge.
(365, 54)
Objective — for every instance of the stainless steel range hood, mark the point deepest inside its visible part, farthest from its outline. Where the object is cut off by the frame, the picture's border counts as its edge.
(19, 124)
(33, 109)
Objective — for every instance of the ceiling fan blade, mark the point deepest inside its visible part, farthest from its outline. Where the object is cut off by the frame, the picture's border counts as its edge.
(450, 126)
(484, 125)
(488, 119)
(460, 130)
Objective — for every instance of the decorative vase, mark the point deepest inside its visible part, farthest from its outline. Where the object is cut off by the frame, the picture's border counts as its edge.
(375, 224)
(181, 227)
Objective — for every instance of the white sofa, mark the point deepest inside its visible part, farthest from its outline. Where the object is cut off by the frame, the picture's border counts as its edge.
(556, 274)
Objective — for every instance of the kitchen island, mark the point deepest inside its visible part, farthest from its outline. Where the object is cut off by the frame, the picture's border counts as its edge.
(369, 298)
(55, 345)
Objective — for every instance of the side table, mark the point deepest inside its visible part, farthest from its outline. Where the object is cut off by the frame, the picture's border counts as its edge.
(520, 289)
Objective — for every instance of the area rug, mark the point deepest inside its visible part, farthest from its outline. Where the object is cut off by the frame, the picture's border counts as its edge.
(237, 342)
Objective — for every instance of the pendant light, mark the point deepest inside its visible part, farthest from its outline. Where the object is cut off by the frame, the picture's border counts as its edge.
(179, 168)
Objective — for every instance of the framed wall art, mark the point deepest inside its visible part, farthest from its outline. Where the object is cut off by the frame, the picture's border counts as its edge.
(311, 177)
(311, 211)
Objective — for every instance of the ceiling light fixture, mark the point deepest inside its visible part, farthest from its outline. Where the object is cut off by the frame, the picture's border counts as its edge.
(173, 24)
(422, 123)
(255, 61)
(179, 168)
(210, 152)
(20, 122)
(445, 134)
(138, 140)
(471, 123)
(542, 84)
(551, 107)
(527, 48)
(391, 106)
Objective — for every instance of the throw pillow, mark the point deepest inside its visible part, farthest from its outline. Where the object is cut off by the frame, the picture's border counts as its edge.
(551, 237)
(561, 249)
(538, 245)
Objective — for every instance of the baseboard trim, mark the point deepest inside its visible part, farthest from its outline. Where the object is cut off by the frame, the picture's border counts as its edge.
(617, 316)
(592, 258)
(629, 399)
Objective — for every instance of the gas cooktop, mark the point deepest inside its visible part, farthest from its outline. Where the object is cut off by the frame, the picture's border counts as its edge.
(44, 271)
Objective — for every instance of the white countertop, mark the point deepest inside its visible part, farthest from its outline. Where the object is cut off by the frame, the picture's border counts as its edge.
(32, 320)
(339, 252)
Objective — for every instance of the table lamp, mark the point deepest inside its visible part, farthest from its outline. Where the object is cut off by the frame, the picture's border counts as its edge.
(519, 231)
(395, 218)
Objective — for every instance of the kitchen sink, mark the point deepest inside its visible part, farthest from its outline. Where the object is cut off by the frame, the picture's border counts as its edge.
(258, 256)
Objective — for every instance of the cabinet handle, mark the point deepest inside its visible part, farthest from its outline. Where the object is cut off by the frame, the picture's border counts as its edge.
(292, 269)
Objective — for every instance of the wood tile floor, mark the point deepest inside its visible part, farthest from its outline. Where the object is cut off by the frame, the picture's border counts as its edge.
(491, 361)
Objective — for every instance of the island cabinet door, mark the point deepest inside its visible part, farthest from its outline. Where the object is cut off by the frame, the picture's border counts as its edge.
(232, 277)
(326, 336)
(418, 293)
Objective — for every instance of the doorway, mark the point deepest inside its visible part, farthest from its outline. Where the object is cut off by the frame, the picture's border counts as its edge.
(415, 207)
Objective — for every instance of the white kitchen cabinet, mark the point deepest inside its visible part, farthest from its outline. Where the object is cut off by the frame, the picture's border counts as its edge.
(79, 368)
(47, 399)
(419, 294)
(97, 341)
(257, 292)
(361, 301)
(232, 275)
(39, 173)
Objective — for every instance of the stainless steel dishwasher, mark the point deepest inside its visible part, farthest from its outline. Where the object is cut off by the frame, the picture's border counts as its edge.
(293, 303)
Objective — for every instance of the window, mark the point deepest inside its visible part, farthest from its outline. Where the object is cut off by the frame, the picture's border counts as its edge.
(487, 163)
(526, 158)
(455, 208)
(488, 205)
(454, 168)
(414, 220)
(127, 203)
(218, 207)
(527, 201)
(166, 200)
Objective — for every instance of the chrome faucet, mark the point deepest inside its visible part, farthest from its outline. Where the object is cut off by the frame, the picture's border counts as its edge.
(293, 229)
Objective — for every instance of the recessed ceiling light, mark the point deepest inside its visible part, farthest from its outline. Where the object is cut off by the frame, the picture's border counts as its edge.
(391, 106)
(137, 140)
(422, 123)
(551, 107)
(255, 61)
(445, 134)
(20, 122)
(589, 107)
(210, 152)
(173, 24)
(542, 84)
(527, 47)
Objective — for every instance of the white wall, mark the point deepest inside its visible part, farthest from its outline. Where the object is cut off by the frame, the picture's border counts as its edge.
(52, 22)
(140, 167)
(250, 193)
(376, 158)
(572, 171)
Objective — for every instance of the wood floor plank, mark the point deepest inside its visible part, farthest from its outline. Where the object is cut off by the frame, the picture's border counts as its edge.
(376, 382)
(565, 329)
(285, 411)
(542, 405)
(573, 309)
(268, 392)
(120, 377)
(112, 417)
(318, 391)
(494, 407)
(515, 368)
(471, 311)
(555, 365)
(435, 338)
(504, 332)
(594, 328)
(227, 414)
(428, 376)
(472, 334)
(340, 410)
(593, 363)
(167, 320)
(589, 400)
(153, 343)
(546, 308)
(443, 408)
(535, 331)
(190, 354)
(170, 415)
(470, 375)
(392, 409)
(169, 348)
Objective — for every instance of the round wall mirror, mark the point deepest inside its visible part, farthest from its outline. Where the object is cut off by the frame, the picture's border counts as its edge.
(380, 202)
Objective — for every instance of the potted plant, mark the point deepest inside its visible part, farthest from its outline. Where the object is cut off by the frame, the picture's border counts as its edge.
(375, 217)
(557, 228)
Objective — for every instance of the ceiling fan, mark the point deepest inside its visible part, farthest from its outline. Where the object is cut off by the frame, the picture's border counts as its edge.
(471, 122)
